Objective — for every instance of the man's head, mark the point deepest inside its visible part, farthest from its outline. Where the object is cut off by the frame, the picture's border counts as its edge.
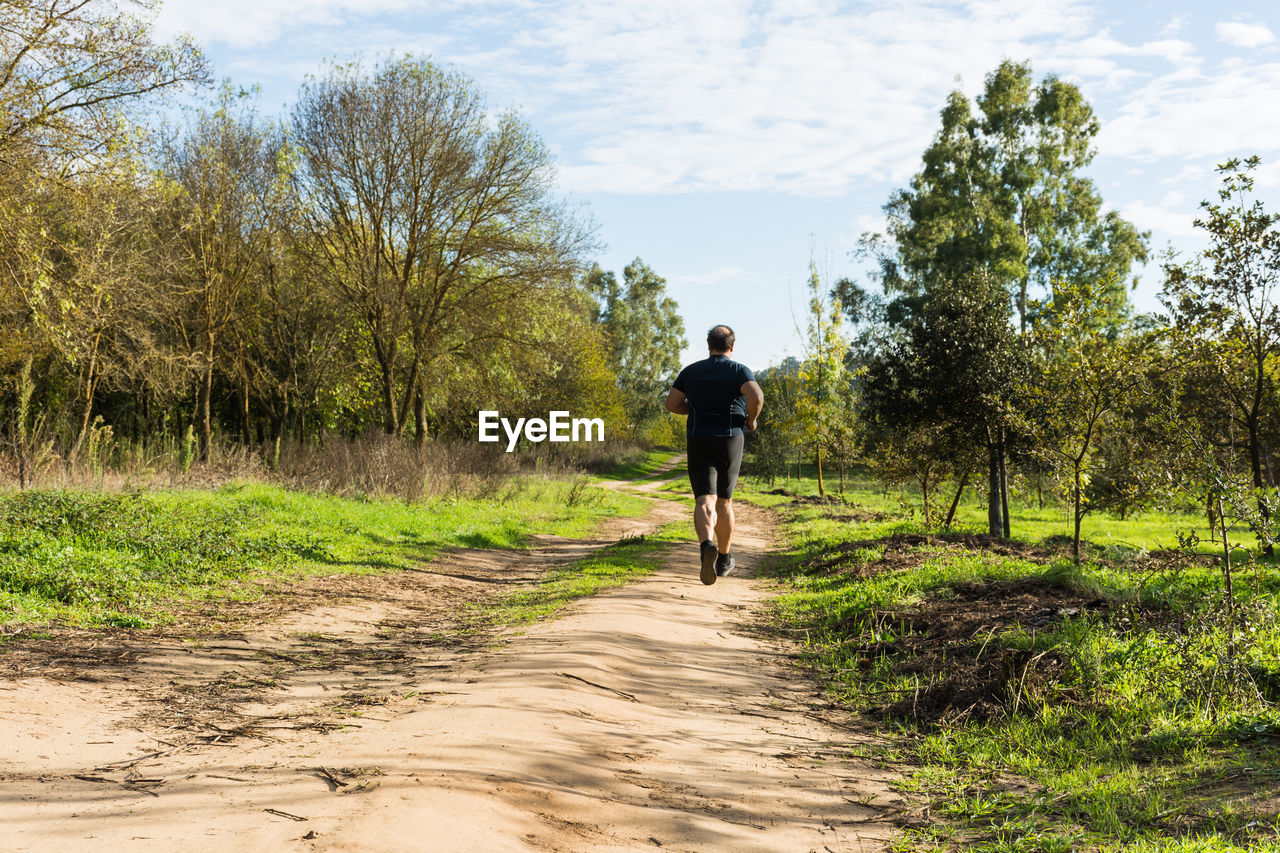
(720, 340)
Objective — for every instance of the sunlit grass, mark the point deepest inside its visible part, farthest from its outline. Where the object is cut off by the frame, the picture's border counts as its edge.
(1149, 529)
(615, 565)
(1121, 753)
(123, 559)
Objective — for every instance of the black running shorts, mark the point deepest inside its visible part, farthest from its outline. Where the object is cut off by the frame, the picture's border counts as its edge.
(713, 464)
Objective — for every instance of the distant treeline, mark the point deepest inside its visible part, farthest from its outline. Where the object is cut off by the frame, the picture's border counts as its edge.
(999, 350)
(389, 257)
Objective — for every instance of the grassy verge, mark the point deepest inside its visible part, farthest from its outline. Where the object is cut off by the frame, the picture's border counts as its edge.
(640, 468)
(87, 558)
(614, 565)
(1039, 705)
(1148, 530)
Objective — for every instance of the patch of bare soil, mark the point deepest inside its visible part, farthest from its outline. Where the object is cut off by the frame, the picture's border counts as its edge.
(950, 643)
(378, 714)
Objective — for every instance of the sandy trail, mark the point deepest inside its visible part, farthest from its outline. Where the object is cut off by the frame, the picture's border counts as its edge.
(648, 717)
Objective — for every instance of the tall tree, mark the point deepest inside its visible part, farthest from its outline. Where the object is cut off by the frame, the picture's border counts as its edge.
(1227, 305)
(1001, 189)
(434, 220)
(644, 335)
(824, 406)
(1000, 200)
(229, 190)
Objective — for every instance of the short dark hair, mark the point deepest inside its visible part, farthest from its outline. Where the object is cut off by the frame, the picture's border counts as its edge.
(720, 338)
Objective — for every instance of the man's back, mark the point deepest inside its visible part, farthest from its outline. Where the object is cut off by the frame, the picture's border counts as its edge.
(713, 388)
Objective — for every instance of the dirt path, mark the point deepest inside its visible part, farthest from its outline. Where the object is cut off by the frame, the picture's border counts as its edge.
(648, 717)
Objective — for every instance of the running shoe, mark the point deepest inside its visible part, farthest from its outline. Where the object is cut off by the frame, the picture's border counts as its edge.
(724, 564)
(709, 554)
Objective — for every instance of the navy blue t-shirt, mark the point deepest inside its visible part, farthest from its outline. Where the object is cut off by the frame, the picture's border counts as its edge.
(713, 387)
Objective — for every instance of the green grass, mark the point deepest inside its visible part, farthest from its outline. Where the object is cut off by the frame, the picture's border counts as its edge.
(87, 558)
(1149, 530)
(638, 469)
(1124, 748)
(614, 565)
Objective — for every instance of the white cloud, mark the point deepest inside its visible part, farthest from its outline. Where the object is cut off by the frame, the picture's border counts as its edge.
(808, 97)
(255, 23)
(715, 276)
(1176, 24)
(1244, 34)
(794, 97)
(1166, 221)
(1195, 114)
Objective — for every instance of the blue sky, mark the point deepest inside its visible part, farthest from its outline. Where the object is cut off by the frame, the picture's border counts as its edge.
(725, 141)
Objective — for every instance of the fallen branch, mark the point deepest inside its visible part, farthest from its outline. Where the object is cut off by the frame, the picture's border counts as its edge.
(621, 693)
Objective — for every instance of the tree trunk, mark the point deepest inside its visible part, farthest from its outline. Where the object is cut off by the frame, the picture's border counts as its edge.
(1255, 463)
(419, 418)
(955, 502)
(1004, 488)
(277, 433)
(245, 426)
(822, 492)
(1075, 514)
(86, 412)
(1211, 516)
(204, 413)
(995, 516)
(390, 423)
(412, 394)
(924, 492)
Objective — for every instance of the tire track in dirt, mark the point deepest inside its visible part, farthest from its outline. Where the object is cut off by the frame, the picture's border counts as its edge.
(651, 715)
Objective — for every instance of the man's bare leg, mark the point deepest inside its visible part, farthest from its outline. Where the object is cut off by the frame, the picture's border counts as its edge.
(724, 523)
(704, 522)
(704, 517)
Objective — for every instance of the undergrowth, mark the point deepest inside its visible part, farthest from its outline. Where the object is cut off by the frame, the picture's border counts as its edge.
(1039, 705)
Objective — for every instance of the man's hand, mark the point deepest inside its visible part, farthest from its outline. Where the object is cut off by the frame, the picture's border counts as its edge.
(755, 402)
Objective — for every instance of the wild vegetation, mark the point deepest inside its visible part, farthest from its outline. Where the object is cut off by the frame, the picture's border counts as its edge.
(303, 314)
(387, 259)
(1001, 404)
(1032, 701)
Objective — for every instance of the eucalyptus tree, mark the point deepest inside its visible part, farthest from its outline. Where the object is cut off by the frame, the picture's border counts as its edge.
(1000, 199)
(644, 335)
(1002, 189)
(435, 221)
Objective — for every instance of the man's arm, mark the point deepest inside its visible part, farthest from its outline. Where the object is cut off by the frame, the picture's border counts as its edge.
(676, 402)
(755, 402)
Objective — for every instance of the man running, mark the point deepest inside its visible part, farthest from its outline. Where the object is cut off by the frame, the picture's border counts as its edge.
(721, 397)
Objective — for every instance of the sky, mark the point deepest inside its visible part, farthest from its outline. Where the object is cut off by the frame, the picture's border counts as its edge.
(728, 142)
